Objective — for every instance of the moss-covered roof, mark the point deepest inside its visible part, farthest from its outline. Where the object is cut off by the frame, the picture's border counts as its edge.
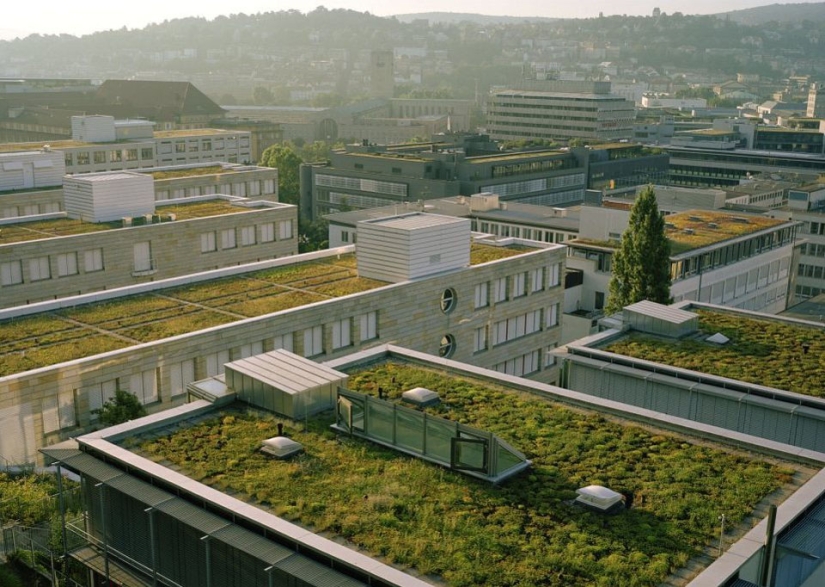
(765, 352)
(442, 524)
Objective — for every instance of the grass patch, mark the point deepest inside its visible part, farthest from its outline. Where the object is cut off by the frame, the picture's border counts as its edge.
(524, 532)
(193, 172)
(485, 253)
(173, 326)
(765, 352)
(269, 304)
(77, 348)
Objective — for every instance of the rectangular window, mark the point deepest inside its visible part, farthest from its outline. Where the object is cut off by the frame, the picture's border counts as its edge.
(247, 236)
(552, 316)
(58, 412)
(144, 386)
(93, 260)
(369, 326)
(480, 339)
(549, 357)
(519, 285)
(181, 374)
(208, 243)
(146, 154)
(143, 256)
(39, 269)
(100, 394)
(11, 273)
(537, 280)
(267, 232)
(68, 159)
(284, 229)
(228, 238)
(554, 275)
(521, 365)
(341, 334)
(180, 147)
(500, 290)
(100, 157)
(66, 264)
(83, 158)
(481, 295)
(515, 327)
(313, 341)
(215, 362)
(115, 156)
(283, 341)
(131, 154)
(344, 236)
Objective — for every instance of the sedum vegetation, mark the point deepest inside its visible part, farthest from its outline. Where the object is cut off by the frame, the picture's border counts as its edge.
(765, 352)
(467, 532)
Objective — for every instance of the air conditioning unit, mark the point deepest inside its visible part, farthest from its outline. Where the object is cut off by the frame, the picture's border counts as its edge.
(147, 218)
(126, 221)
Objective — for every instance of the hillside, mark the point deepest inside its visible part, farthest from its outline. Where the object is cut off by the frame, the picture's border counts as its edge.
(814, 12)
(457, 17)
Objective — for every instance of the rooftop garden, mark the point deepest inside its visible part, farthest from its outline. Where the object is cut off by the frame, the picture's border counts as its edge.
(189, 172)
(765, 352)
(466, 532)
(480, 254)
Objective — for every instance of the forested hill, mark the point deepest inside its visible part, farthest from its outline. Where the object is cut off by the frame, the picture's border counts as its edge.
(778, 13)
(457, 17)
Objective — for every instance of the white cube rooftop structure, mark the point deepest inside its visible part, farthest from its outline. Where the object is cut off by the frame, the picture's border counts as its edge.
(421, 397)
(653, 318)
(104, 197)
(410, 246)
(281, 447)
(285, 383)
(598, 497)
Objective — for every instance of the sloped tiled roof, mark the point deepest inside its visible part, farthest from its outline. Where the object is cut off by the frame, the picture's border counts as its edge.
(149, 98)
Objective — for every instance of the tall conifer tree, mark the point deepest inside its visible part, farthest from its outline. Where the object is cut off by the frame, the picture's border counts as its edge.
(641, 264)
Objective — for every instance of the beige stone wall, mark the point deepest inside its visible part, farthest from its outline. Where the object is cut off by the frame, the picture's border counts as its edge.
(175, 250)
(408, 314)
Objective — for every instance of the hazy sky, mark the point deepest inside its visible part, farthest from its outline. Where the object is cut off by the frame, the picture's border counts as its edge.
(86, 16)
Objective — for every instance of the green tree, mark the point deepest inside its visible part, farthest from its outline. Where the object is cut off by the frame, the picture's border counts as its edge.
(288, 163)
(123, 407)
(641, 264)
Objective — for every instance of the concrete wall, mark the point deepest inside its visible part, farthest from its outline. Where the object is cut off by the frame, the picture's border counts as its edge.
(31, 169)
(407, 313)
(28, 203)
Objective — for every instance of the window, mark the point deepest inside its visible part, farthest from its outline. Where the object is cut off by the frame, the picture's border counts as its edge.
(554, 274)
(283, 341)
(39, 268)
(208, 243)
(448, 300)
(344, 236)
(143, 256)
(267, 232)
(144, 386)
(228, 238)
(537, 280)
(58, 412)
(341, 334)
(68, 159)
(181, 374)
(93, 260)
(193, 146)
(83, 158)
(146, 154)
(11, 273)
(599, 300)
(369, 326)
(521, 365)
(553, 316)
(284, 229)
(66, 264)
(215, 362)
(549, 357)
(313, 341)
(446, 347)
(480, 339)
(519, 285)
(207, 144)
(247, 236)
(515, 327)
(115, 156)
(100, 157)
(180, 147)
(500, 290)
(480, 300)
(100, 394)
(131, 154)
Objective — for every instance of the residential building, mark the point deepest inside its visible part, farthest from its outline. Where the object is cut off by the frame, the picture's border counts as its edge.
(731, 259)
(560, 110)
(154, 338)
(816, 101)
(113, 233)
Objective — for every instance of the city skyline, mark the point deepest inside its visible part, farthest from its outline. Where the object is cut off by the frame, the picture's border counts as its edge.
(22, 19)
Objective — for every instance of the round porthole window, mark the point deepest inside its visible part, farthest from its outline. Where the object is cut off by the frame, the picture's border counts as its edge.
(448, 300)
(447, 346)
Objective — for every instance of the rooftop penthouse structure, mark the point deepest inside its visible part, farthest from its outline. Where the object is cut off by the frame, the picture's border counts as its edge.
(64, 358)
(238, 515)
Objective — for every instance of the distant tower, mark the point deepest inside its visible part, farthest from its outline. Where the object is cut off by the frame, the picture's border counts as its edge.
(816, 101)
(382, 81)
(657, 12)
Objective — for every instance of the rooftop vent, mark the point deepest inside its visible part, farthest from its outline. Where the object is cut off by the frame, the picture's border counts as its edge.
(740, 219)
(421, 397)
(689, 231)
(718, 338)
(669, 225)
(599, 498)
(281, 447)
(694, 219)
(712, 225)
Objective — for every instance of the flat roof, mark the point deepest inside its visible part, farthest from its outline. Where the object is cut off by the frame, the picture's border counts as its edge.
(763, 351)
(195, 132)
(425, 518)
(105, 176)
(53, 337)
(417, 220)
(18, 232)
